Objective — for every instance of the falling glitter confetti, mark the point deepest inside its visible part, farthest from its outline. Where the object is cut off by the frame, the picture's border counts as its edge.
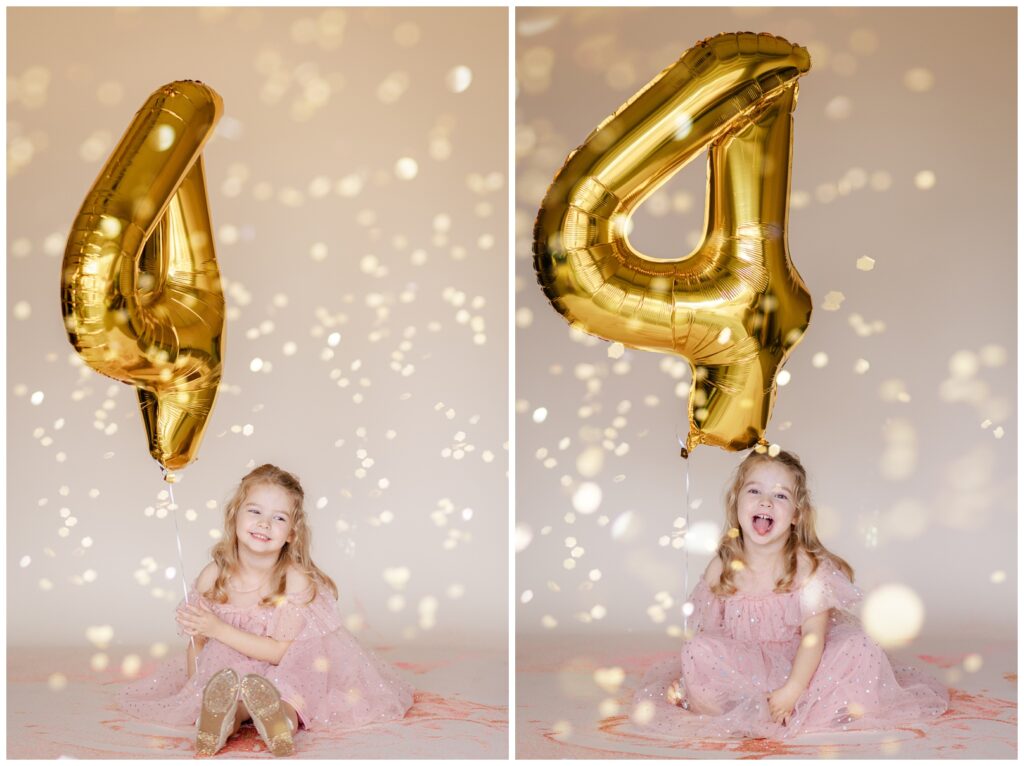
(833, 301)
(893, 615)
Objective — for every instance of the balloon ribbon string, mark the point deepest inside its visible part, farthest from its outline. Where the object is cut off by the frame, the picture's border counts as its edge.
(686, 553)
(181, 568)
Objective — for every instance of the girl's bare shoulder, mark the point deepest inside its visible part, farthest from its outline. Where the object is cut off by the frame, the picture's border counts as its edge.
(297, 581)
(714, 571)
(207, 577)
(805, 567)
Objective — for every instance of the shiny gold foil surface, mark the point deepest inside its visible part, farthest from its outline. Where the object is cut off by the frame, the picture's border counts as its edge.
(734, 307)
(140, 288)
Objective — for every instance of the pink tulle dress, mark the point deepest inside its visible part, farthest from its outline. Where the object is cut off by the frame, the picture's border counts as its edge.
(743, 649)
(330, 680)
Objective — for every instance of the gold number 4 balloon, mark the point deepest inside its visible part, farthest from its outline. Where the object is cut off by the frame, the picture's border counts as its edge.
(735, 306)
(140, 288)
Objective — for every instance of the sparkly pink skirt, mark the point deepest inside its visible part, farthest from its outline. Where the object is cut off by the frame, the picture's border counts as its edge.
(725, 683)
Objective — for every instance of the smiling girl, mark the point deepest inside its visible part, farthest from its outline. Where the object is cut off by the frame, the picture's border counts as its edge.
(776, 650)
(266, 640)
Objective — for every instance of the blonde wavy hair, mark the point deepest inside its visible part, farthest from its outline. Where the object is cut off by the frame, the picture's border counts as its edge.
(802, 536)
(294, 554)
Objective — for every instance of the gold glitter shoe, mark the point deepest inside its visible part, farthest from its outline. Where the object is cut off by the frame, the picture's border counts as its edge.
(269, 718)
(675, 695)
(217, 717)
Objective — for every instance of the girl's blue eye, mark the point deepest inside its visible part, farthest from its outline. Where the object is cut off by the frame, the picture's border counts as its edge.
(280, 518)
(752, 490)
(781, 496)
(253, 510)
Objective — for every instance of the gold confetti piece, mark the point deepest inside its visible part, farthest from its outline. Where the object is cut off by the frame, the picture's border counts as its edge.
(57, 681)
(861, 366)
(406, 168)
(397, 577)
(839, 108)
(924, 180)
(609, 679)
(992, 355)
(587, 498)
(893, 615)
(919, 79)
(863, 41)
(963, 364)
(997, 577)
(561, 730)
(643, 712)
(865, 263)
(890, 746)
(99, 636)
(131, 665)
(833, 300)
(459, 79)
(396, 603)
(455, 591)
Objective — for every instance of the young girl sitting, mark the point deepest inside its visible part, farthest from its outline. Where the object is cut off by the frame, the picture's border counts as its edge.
(266, 640)
(776, 651)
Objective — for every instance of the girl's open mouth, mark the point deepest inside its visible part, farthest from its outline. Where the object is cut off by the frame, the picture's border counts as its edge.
(261, 538)
(763, 523)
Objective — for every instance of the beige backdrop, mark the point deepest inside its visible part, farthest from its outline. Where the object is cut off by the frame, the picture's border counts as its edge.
(902, 400)
(358, 193)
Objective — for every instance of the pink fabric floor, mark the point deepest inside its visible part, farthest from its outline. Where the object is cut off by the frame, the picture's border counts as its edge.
(460, 711)
(573, 694)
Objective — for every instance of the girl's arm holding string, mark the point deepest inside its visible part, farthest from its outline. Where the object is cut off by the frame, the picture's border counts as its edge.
(196, 642)
(200, 621)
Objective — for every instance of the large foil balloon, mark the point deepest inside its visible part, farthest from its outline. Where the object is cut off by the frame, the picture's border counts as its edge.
(140, 289)
(735, 306)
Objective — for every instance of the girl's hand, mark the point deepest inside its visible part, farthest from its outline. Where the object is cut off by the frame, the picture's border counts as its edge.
(781, 703)
(198, 620)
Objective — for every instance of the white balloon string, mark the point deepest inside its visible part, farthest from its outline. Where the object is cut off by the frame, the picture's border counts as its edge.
(181, 563)
(177, 539)
(686, 576)
(686, 533)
